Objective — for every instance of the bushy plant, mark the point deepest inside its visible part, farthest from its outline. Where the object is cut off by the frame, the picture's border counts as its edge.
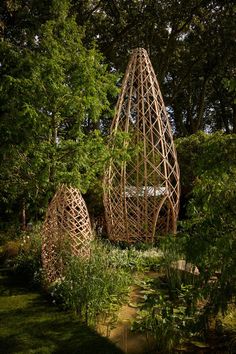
(207, 236)
(171, 254)
(27, 262)
(210, 228)
(168, 322)
(211, 242)
(201, 153)
(228, 327)
(11, 249)
(206, 240)
(90, 286)
(135, 259)
(9, 241)
(8, 232)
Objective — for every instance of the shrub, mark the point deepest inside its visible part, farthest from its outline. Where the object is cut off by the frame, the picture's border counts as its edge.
(9, 242)
(206, 239)
(171, 254)
(168, 322)
(90, 286)
(27, 263)
(228, 324)
(134, 259)
(11, 249)
(208, 170)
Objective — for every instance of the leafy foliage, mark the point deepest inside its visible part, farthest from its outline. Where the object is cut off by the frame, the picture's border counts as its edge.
(210, 228)
(55, 94)
(91, 287)
(56, 90)
(134, 259)
(184, 39)
(51, 92)
(22, 256)
(182, 304)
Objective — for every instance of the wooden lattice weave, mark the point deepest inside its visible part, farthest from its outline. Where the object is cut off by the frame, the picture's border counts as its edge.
(66, 229)
(141, 195)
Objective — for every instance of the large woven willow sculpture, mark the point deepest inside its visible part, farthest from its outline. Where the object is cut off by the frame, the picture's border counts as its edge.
(141, 195)
(66, 230)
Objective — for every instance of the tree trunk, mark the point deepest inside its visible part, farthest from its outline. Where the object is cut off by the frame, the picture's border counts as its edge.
(224, 118)
(53, 139)
(234, 117)
(181, 129)
(23, 216)
(201, 107)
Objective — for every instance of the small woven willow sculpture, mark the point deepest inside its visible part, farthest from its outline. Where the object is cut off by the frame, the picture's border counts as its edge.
(66, 229)
(141, 195)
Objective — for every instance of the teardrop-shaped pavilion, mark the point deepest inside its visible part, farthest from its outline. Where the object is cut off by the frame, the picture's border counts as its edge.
(141, 195)
(66, 231)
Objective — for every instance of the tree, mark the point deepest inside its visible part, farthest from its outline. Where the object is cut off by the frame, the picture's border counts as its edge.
(184, 39)
(50, 91)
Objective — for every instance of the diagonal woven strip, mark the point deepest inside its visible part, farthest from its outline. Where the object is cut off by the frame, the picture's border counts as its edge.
(66, 228)
(141, 195)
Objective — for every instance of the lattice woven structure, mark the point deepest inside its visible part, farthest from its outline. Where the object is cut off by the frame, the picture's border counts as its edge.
(66, 228)
(141, 195)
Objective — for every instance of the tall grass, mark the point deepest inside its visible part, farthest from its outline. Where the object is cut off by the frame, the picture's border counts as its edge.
(90, 286)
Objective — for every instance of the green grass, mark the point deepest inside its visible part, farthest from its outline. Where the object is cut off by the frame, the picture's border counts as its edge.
(28, 324)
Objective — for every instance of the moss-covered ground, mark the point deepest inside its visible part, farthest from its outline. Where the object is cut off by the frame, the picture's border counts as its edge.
(28, 324)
